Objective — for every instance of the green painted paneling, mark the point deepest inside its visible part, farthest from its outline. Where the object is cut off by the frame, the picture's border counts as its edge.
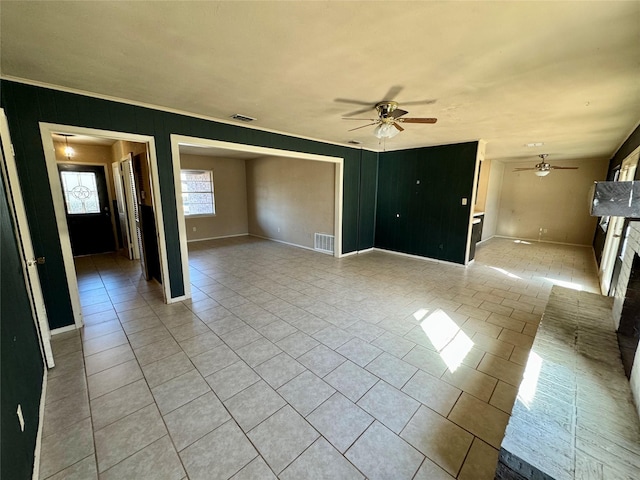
(367, 206)
(21, 367)
(27, 105)
(419, 208)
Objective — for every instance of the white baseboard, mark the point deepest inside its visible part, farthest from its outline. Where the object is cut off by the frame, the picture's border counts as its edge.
(68, 328)
(218, 238)
(357, 252)
(178, 299)
(286, 243)
(419, 257)
(36, 452)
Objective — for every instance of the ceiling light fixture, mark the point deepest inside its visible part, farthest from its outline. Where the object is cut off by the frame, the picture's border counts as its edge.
(385, 130)
(535, 144)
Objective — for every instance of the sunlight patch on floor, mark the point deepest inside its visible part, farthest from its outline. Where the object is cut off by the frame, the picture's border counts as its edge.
(529, 385)
(445, 335)
(504, 272)
(564, 283)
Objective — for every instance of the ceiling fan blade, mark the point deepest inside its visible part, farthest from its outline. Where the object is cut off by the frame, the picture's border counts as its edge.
(358, 128)
(565, 168)
(398, 112)
(398, 127)
(354, 102)
(393, 92)
(361, 119)
(523, 169)
(420, 102)
(418, 120)
(362, 110)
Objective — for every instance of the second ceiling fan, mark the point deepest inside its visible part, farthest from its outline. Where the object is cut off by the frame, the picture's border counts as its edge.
(390, 116)
(543, 169)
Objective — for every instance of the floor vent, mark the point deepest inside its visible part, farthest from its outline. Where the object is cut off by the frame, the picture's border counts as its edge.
(324, 243)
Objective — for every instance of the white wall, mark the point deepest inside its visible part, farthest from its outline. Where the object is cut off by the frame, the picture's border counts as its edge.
(557, 203)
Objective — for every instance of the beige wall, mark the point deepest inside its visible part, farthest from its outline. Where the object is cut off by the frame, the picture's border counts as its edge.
(120, 150)
(230, 191)
(557, 203)
(290, 199)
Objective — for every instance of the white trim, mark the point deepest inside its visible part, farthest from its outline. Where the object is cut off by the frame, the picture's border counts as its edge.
(160, 108)
(471, 201)
(58, 331)
(419, 257)
(177, 299)
(217, 238)
(286, 243)
(357, 252)
(36, 452)
(46, 131)
(23, 236)
(177, 140)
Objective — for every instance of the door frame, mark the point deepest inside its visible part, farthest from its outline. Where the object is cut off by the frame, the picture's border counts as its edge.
(612, 241)
(46, 132)
(177, 140)
(23, 235)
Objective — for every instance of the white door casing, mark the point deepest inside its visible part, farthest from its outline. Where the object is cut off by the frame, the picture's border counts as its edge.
(46, 132)
(615, 227)
(23, 235)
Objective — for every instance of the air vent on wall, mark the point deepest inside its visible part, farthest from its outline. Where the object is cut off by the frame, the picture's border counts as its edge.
(242, 118)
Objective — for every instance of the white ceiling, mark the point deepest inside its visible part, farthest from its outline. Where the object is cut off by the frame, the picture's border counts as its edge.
(563, 73)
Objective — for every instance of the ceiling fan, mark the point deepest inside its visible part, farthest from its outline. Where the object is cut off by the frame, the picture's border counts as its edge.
(543, 169)
(389, 119)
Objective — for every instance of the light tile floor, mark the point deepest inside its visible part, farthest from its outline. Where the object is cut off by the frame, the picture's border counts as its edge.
(291, 364)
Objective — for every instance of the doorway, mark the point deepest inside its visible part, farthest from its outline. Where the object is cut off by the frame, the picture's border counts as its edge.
(70, 232)
(240, 149)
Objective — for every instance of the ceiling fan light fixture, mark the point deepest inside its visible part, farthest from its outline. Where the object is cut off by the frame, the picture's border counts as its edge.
(385, 130)
(542, 173)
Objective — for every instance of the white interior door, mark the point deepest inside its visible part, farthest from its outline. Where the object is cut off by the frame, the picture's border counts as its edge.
(126, 168)
(123, 218)
(614, 230)
(29, 260)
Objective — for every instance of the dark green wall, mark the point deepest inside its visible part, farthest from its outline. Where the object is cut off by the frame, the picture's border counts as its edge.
(26, 105)
(426, 219)
(21, 367)
(367, 200)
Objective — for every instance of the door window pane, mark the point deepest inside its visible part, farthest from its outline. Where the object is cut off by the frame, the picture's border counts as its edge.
(80, 192)
(197, 192)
